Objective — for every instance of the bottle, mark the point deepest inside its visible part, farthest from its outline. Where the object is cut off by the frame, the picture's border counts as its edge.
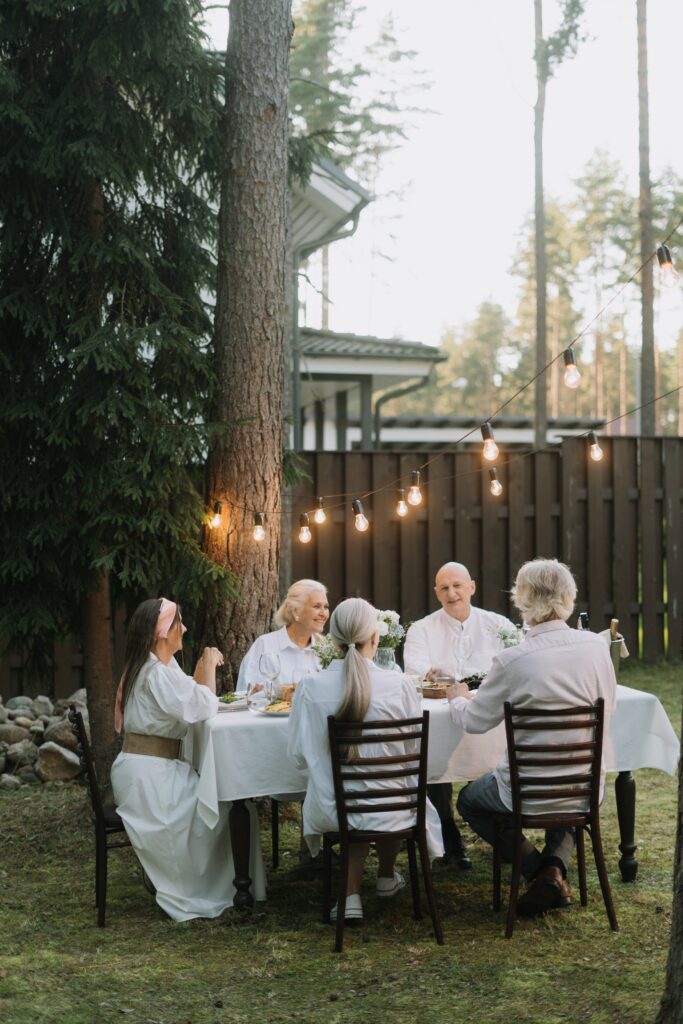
(583, 620)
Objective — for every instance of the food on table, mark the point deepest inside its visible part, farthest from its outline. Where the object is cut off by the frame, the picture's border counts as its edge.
(278, 707)
(230, 698)
(434, 691)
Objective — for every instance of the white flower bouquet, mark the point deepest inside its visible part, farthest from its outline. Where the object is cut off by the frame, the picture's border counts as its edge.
(390, 630)
(326, 650)
(510, 637)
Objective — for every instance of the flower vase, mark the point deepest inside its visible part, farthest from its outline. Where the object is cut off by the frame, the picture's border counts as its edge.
(385, 657)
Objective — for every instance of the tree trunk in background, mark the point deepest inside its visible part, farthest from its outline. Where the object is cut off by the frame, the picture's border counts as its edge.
(554, 352)
(671, 1008)
(245, 464)
(98, 669)
(540, 403)
(623, 352)
(647, 375)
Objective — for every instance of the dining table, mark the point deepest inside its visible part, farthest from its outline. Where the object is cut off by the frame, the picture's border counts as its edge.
(240, 754)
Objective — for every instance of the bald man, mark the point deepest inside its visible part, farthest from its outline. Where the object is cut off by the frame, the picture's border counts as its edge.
(457, 640)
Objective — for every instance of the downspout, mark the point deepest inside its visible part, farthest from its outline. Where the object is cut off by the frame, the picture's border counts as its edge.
(398, 393)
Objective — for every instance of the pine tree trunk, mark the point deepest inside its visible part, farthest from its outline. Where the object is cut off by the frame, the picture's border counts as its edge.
(245, 464)
(647, 376)
(671, 1008)
(98, 670)
(540, 404)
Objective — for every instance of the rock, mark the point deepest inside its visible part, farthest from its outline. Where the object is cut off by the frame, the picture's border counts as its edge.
(11, 733)
(61, 733)
(20, 713)
(9, 782)
(24, 723)
(26, 775)
(79, 698)
(4, 714)
(42, 706)
(3, 763)
(19, 702)
(55, 763)
(24, 752)
(37, 733)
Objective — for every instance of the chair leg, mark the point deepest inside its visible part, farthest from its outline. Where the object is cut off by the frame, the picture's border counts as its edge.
(101, 876)
(412, 865)
(598, 853)
(341, 896)
(581, 865)
(496, 870)
(514, 887)
(274, 833)
(429, 888)
(327, 879)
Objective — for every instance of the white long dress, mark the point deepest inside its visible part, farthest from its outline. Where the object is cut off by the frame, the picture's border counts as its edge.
(190, 865)
(393, 696)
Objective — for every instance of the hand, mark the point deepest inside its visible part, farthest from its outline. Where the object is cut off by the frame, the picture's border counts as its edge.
(431, 675)
(212, 657)
(459, 690)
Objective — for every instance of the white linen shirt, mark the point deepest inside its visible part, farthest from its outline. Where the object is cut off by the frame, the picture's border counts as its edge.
(164, 701)
(294, 661)
(433, 642)
(555, 667)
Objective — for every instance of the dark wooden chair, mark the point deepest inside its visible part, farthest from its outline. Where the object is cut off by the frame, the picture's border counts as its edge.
(407, 767)
(105, 820)
(558, 782)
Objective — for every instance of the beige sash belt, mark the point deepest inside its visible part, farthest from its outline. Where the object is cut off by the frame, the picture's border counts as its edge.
(154, 746)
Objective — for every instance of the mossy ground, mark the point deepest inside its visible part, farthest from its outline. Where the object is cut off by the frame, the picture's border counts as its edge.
(277, 965)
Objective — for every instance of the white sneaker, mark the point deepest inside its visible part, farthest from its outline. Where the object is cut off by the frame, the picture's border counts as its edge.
(353, 910)
(387, 887)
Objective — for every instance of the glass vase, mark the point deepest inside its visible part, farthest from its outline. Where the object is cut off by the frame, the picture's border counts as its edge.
(385, 657)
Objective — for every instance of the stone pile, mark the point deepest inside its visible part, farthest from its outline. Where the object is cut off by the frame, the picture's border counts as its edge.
(37, 743)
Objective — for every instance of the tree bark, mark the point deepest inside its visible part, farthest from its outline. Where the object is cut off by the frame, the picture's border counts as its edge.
(245, 462)
(647, 376)
(540, 402)
(98, 669)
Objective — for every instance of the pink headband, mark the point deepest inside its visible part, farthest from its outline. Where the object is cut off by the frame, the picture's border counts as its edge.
(167, 614)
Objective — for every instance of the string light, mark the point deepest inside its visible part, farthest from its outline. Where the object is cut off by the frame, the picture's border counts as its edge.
(496, 487)
(414, 492)
(572, 377)
(596, 451)
(215, 520)
(668, 274)
(319, 516)
(401, 507)
(490, 446)
(304, 531)
(361, 520)
(259, 530)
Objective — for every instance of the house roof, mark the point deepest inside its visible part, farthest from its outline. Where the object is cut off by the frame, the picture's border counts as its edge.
(321, 208)
(329, 343)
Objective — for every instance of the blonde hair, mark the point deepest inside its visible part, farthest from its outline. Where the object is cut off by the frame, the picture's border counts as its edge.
(295, 600)
(352, 624)
(544, 590)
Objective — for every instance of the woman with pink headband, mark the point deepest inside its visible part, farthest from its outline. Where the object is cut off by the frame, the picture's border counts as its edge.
(187, 863)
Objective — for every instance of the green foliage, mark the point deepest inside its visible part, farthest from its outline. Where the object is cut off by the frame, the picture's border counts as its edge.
(562, 44)
(110, 158)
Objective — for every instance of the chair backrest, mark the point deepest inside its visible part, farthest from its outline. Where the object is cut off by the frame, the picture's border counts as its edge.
(569, 759)
(85, 755)
(406, 770)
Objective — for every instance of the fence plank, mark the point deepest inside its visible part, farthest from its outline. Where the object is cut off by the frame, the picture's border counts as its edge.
(494, 583)
(468, 467)
(599, 539)
(574, 535)
(546, 497)
(387, 535)
(672, 453)
(440, 540)
(330, 538)
(625, 527)
(650, 522)
(413, 554)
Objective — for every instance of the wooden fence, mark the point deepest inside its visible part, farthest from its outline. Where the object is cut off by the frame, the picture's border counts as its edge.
(617, 523)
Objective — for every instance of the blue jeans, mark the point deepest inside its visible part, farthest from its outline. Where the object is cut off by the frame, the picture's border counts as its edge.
(480, 801)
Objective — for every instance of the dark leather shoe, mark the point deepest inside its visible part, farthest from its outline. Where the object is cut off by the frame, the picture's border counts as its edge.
(547, 891)
(454, 848)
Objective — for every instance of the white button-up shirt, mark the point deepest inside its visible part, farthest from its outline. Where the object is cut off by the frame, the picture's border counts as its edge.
(555, 667)
(295, 661)
(438, 640)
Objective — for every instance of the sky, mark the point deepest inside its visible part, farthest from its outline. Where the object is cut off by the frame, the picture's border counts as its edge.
(424, 262)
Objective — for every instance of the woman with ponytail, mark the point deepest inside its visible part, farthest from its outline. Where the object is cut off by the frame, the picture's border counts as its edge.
(353, 689)
(186, 861)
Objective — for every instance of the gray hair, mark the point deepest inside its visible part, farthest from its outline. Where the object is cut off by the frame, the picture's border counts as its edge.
(544, 590)
(352, 624)
(295, 600)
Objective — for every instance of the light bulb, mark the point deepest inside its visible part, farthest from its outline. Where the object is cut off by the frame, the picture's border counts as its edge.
(401, 507)
(496, 486)
(304, 532)
(414, 492)
(490, 447)
(215, 520)
(572, 376)
(668, 275)
(361, 520)
(596, 451)
(319, 516)
(259, 529)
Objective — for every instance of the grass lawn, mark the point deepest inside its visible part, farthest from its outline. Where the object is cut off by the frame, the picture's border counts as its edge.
(277, 964)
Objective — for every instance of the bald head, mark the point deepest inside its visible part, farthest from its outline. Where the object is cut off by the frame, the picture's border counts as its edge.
(454, 588)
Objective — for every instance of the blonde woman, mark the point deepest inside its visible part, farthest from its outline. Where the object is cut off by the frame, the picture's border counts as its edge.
(301, 619)
(353, 689)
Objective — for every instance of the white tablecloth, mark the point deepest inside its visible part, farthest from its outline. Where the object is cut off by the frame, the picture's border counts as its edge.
(239, 754)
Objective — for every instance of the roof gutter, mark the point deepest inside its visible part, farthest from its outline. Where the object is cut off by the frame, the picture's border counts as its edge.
(398, 393)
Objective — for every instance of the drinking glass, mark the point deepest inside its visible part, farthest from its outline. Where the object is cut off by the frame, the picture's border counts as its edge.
(269, 666)
(258, 696)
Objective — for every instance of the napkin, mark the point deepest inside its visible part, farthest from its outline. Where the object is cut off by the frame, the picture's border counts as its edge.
(607, 636)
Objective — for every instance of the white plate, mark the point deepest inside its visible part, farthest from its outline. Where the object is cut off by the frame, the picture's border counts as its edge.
(273, 714)
(235, 705)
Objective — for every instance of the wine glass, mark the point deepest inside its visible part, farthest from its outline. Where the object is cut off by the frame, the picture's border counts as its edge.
(269, 667)
(258, 695)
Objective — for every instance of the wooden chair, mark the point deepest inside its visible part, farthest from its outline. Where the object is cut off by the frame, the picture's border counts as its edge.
(106, 821)
(410, 768)
(567, 752)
